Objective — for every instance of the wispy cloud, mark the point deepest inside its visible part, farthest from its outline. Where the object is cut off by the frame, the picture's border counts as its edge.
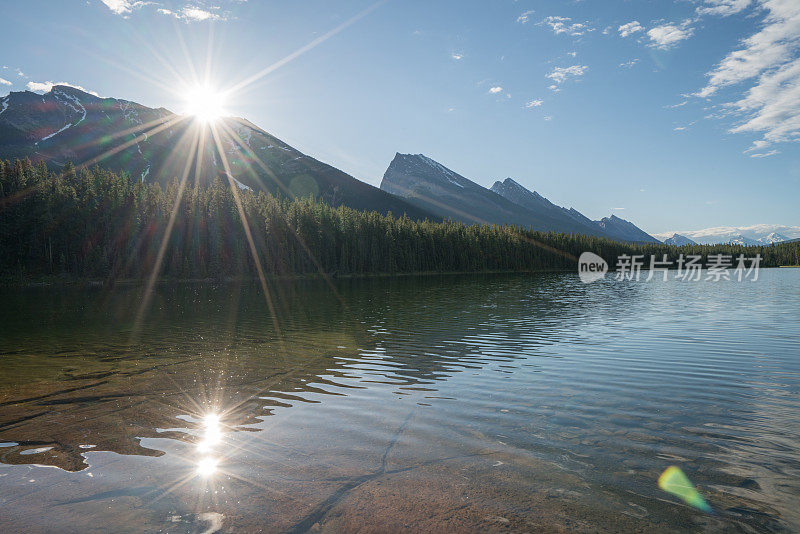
(765, 154)
(768, 58)
(678, 105)
(3, 81)
(565, 25)
(495, 90)
(194, 14)
(533, 104)
(630, 28)
(723, 7)
(457, 56)
(629, 64)
(561, 74)
(525, 17)
(668, 35)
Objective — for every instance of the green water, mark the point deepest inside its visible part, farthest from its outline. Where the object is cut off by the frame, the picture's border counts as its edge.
(462, 403)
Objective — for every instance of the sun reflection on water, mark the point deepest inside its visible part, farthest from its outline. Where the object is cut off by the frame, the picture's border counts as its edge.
(212, 436)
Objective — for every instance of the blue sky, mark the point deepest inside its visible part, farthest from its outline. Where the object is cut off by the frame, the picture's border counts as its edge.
(673, 114)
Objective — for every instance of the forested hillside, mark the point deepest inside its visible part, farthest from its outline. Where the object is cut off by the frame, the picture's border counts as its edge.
(96, 224)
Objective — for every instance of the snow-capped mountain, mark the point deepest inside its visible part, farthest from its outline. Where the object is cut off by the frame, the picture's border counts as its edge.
(760, 233)
(678, 240)
(67, 124)
(773, 238)
(742, 240)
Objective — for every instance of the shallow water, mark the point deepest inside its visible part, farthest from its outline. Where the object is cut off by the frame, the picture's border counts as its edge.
(423, 404)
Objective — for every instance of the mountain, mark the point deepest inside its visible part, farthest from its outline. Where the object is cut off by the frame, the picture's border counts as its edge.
(612, 228)
(763, 233)
(773, 238)
(67, 124)
(742, 240)
(625, 230)
(679, 240)
(533, 201)
(433, 187)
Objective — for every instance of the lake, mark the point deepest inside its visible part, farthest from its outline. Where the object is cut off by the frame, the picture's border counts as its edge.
(453, 403)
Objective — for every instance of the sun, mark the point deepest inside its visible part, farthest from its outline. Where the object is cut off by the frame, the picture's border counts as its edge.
(204, 103)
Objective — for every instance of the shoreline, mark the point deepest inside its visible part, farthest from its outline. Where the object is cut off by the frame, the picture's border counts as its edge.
(66, 281)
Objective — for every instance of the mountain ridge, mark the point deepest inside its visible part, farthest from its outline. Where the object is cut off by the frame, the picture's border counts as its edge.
(433, 187)
(154, 144)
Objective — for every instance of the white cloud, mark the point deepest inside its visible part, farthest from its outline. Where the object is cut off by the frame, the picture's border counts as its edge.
(769, 57)
(21, 74)
(565, 25)
(630, 28)
(457, 56)
(548, 118)
(723, 7)
(45, 87)
(123, 7)
(495, 90)
(560, 74)
(3, 81)
(525, 17)
(573, 54)
(678, 105)
(629, 64)
(667, 35)
(679, 128)
(191, 13)
(533, 103)
(765, 154)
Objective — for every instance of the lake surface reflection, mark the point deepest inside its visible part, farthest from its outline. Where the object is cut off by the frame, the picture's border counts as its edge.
(455, 403)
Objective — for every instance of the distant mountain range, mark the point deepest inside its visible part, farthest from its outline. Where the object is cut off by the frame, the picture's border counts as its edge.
(154, 144)
(67, 124)
(433, 187)
(760, 234)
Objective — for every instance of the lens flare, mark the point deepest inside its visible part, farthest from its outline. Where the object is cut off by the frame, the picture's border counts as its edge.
(674, 481)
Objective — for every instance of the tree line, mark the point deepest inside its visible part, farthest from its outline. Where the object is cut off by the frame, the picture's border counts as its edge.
(92, 223)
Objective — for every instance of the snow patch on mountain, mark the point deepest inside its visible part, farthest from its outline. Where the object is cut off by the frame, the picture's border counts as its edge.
(245, 134)
(239, 184)
(450, 175)
(46, 137)
(5, 103)
(678, 240)
(71, 101)
(128, 112)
